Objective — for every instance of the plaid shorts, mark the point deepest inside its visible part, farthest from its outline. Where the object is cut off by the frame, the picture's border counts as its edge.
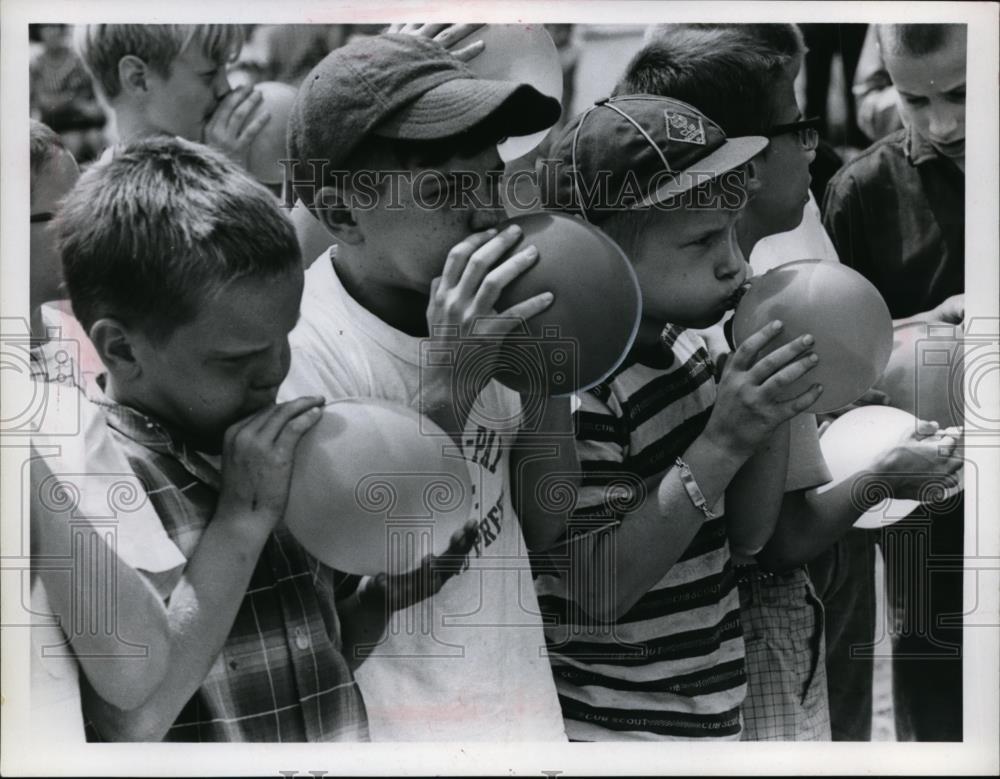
(786, 670)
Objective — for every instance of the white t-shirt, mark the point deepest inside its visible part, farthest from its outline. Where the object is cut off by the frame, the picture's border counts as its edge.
(468, 664)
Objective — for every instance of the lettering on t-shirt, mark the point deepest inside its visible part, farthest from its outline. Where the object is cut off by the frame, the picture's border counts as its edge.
(486, 448)
(489, 527)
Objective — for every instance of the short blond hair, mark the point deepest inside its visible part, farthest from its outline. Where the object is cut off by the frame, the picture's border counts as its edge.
(102, 46)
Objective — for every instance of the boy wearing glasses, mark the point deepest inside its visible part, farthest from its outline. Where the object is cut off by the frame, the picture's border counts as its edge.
(742, 77)
(896, 214)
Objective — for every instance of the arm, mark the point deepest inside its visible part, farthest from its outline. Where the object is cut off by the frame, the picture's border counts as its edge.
(257, 457)
(812, 520)
(754, 497)
(611, 570)
(549, 451)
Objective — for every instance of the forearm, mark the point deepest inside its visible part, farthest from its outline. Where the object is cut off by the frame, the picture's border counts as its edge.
(440, 403)
(754, 497)
(202, 608)
(811, 521)
(613, 570)
(545, 475)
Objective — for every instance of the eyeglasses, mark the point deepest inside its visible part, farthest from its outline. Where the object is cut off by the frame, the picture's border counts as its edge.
(42, 217)
(808, 130)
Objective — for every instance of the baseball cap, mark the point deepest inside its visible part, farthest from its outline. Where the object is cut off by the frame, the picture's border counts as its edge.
(406, 87)
(634, 151)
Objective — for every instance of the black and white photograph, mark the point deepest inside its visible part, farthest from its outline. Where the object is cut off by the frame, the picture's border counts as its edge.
(466, 384)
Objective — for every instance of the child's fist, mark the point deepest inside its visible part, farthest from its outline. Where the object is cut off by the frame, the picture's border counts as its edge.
(257, 457)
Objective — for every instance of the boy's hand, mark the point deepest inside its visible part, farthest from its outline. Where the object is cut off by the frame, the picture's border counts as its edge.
(749, 405)
(235, 123)
(462, 306)
(257, 457)
(923, 455)
(400, 591)
(447, 35)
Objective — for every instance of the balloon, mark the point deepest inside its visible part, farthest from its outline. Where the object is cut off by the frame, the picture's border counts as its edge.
(854, 441)
(372, 490)
(268, 147)
(840, 308)
(523, 53)
(925, 374)
(580, 339)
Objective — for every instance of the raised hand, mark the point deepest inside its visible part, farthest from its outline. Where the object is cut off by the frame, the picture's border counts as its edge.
(751, 401)
(257, 457)
(448, 35)
(235, 123)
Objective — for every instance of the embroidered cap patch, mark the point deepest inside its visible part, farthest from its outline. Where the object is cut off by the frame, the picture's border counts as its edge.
(685, 128)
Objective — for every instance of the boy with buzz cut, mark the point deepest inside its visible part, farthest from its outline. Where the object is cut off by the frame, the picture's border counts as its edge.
(190, 314)
(171, 78)
(742, 75)
(394, 145)
(896, 213)
(645, 639)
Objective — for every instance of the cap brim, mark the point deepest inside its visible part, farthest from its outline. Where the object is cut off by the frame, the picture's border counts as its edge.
(733, 153)
(459, 105)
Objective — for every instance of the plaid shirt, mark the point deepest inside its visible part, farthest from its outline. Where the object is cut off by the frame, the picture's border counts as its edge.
(280, 675)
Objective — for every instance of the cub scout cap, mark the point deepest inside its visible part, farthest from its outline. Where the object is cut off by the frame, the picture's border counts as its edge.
(634, 151)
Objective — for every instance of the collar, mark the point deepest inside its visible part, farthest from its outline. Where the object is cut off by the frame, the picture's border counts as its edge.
(918, 149)
(659, 356)
(148, 432)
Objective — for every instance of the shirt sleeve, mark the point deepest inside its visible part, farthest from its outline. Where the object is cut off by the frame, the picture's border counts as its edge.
(602, 447)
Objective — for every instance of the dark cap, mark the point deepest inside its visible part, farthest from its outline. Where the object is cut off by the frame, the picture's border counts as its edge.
(408, 87)
(634, 151)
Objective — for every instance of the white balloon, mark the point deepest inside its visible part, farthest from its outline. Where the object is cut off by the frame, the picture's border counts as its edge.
(523, 53)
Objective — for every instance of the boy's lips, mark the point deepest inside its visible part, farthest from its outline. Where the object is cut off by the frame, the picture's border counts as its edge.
(953, 149)
(737, 295)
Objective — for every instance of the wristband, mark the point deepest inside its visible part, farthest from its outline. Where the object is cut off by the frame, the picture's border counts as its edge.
(693, 490)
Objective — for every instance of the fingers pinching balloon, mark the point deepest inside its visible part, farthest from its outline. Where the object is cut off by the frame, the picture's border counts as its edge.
(853, 443)
(580, 339)
(372, 490)
(842, 310)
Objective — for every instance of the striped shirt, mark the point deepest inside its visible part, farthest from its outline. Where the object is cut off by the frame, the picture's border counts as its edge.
(673, 666)
(280, 675)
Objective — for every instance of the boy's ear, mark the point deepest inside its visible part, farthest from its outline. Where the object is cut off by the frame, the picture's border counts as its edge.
(336, 216)
(112, 341)
(132, 74)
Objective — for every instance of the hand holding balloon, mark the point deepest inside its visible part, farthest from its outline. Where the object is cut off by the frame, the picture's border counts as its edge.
(463, 305)
(885, 454)
(921, 455)
(395, 592)
(749, 404)
(257, 456)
